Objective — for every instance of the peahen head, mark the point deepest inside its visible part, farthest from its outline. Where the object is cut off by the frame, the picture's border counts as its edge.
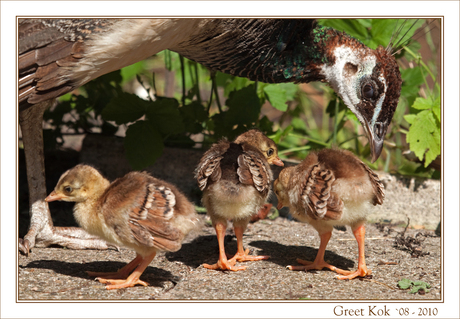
(300, 51)
(369, 83)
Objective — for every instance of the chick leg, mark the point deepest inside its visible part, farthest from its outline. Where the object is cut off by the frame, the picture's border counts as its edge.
(133, 279)
(222, 263)
(362, 270)
(122, 273)
(242, 255)
(41, 231)
(319, 262)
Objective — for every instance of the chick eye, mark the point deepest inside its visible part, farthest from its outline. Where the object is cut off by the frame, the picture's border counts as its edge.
(68, 189)
(270, 152)
(368, 91)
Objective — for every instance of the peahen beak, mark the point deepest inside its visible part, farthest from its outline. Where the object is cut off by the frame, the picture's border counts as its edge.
(375, 135)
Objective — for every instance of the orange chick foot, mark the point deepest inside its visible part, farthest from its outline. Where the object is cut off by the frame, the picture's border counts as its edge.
(309, 265)
(245, 257)
(121, 283)
(224, 265)
(318, 265)
(360, 272)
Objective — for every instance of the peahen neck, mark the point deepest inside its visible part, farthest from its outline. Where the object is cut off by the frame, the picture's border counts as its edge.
(267, 50)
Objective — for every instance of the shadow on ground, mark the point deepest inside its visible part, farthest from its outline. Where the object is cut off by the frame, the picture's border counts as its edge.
(152, 275)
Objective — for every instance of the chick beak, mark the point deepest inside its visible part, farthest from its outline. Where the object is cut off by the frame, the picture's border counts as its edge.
(54, 196)
(280, 205)
(376, 136)
(276, 161)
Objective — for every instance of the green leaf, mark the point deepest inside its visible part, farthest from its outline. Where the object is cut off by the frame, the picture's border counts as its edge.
(222, 79)
(143, 145)
(299, 124)
(265, 125)
(424, 135)
(276, 95)
(408, 168)
(415, 289)
(237, 83)
(281, 134)
(405, 283)
(243, 107)
(412, 77)
(381, 31)
(165, 116)
(437, 109)
(421, 283)
(410, 118)
(280, 94)
(354, 27)
(193, 115)
(108, 129)
(124, 109)
(422, 104)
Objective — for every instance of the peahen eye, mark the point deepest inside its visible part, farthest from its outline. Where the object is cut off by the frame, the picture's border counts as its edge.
(270, 152)
(368, 91)
(68, 189)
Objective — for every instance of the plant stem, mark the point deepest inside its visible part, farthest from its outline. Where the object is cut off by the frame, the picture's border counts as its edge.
(167, 57)
(216, 93)
(421, 63)
(352, 138)
(309, 139)
(295, 149)
(197, 78)
(387, 162)
(213, 81)
(182, 69)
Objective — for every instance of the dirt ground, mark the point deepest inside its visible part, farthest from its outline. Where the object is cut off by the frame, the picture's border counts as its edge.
(56, 273)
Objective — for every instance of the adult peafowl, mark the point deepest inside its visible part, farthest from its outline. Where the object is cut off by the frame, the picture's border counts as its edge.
(58, 55)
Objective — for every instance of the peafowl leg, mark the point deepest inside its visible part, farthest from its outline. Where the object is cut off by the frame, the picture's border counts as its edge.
(122, 273)
(319, 262)
(41, 231)
(133, 279)
(362, 270)
(241, 254)
(223, 263)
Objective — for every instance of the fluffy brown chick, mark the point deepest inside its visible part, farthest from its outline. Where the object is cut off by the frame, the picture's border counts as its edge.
(330, 188)
(235, 178)
(137, 211)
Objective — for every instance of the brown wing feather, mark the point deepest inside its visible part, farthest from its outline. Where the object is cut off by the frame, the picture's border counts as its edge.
(317, 198)
(209, 166)
(147, 206)
(150, 221)
(253, 169)
(377, 185)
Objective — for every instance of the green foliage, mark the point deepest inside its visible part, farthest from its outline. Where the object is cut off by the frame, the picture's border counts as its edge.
(125, 108)
(424, 134)
(203, 106)
(279, 94)
(414, 286)
(143, 144)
